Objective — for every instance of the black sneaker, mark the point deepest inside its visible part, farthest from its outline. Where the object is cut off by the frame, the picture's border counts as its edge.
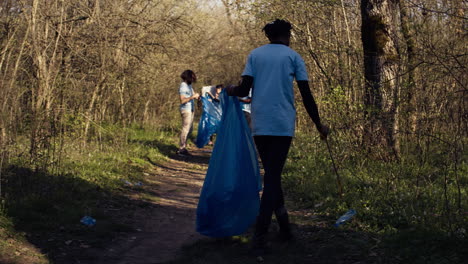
(260, 247)
(282, 218)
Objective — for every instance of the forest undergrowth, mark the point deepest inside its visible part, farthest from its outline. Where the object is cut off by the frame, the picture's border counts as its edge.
(411, 209)
(89, 103)
(39, 205)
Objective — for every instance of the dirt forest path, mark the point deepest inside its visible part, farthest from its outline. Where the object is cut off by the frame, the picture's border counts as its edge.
(162, 228)
(162, 221)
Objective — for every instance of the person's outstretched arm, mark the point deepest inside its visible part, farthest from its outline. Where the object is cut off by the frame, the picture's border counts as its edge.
(311, 107)
(242, 90)
(210, 95)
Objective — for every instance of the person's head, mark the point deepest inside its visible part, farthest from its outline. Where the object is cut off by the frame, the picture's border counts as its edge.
(278, 30)
(188, 76)
(219, 87)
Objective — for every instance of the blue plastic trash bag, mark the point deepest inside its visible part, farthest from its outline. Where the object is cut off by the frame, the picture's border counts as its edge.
(229, 200)
(209, 121)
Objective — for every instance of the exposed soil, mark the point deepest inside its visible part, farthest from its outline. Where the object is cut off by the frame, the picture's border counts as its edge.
(162, 228)
(151, 223)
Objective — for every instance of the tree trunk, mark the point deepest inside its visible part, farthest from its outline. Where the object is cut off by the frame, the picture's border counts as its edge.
(381, 67)
(408, 99)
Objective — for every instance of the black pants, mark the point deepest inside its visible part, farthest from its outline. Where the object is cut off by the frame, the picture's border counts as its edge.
(273, 151)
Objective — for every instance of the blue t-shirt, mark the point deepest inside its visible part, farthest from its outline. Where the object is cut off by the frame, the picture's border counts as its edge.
(186, 91)
(274, 68)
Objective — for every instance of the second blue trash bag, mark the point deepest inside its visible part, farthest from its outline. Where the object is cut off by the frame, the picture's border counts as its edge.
(209, 121)
(229, 200)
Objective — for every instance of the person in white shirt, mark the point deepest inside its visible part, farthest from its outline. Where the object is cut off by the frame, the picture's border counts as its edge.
(187, 108)
(208, 90)
(212, 91)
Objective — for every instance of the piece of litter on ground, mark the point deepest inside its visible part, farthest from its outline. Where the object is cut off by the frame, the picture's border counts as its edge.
(344, 218)
(128, 183)
(318, 205)
(88, 221)
(68, 242)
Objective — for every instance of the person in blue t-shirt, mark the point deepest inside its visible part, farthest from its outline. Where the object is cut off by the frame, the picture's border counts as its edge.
(270, 71)
(187, 107)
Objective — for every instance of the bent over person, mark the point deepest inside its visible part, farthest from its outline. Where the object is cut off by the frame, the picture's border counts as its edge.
(270, 71)
(187, 107)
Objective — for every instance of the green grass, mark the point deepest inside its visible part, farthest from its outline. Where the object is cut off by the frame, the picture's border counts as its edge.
(403, 202)
(409, 211)
(14, 247)
(37, 204)
(420, 246)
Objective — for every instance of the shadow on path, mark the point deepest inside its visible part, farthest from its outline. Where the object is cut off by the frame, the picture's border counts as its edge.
(48, 208)
(312, 244)
(169, 222)
(155, 223)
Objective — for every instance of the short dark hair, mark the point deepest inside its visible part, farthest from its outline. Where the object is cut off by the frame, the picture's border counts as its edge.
(219, 86)
(277, 28)
(188, 76)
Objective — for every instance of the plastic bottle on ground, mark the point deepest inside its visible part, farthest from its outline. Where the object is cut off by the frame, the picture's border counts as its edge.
(348, 215)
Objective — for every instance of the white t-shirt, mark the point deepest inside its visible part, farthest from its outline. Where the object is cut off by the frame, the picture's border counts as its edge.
(211, 89)
(186, 91)
(274, 68)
